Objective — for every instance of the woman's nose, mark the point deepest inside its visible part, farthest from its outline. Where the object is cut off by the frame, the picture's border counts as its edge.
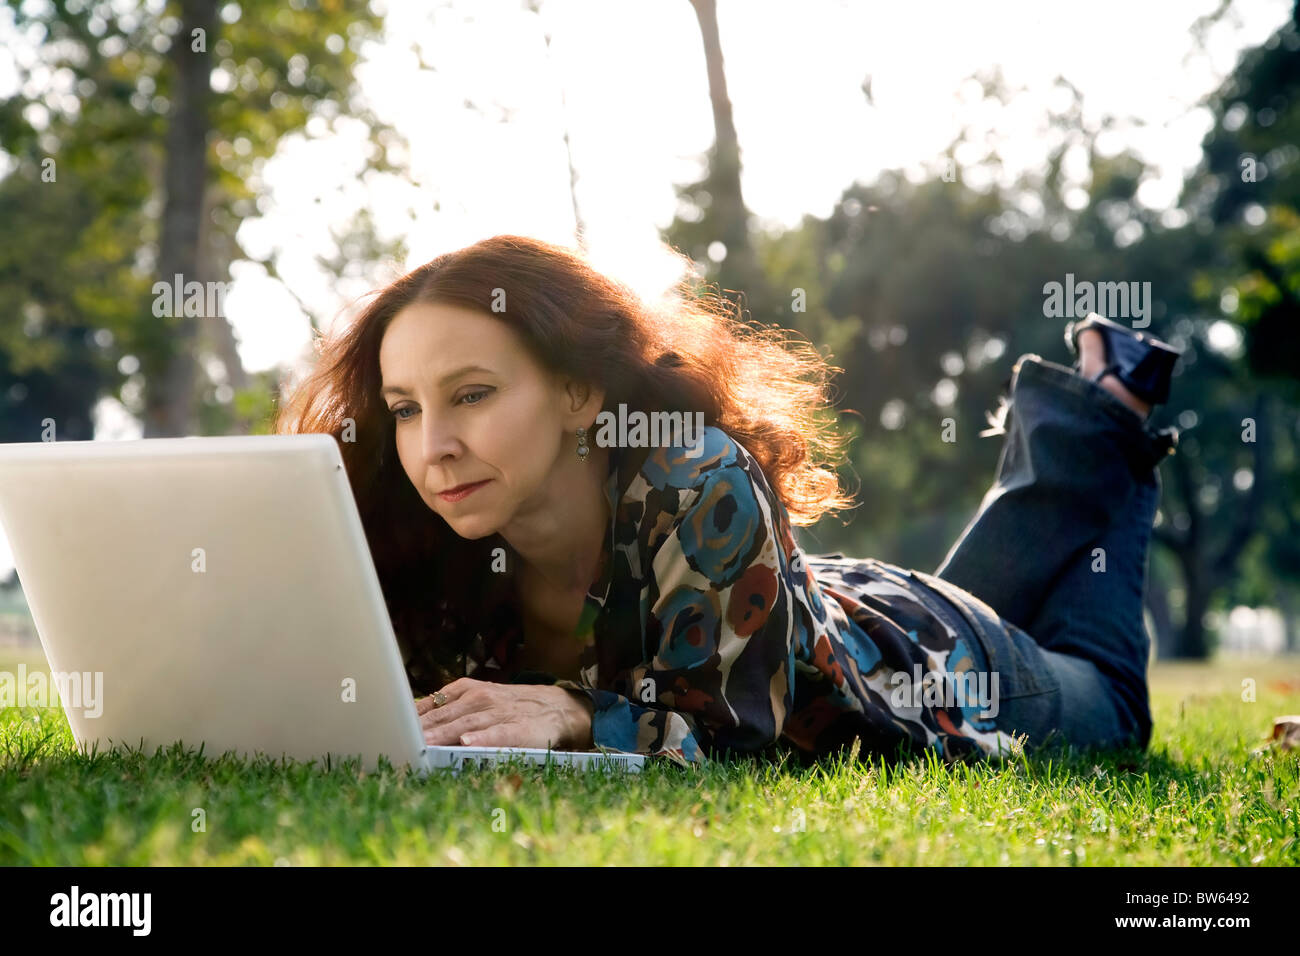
(440, 441)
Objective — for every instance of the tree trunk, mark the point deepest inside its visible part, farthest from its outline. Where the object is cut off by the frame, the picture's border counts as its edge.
(1193, 644)
(740, 268)
(214, 264)
(170, 392)
(1161, 618)
(1286, 606)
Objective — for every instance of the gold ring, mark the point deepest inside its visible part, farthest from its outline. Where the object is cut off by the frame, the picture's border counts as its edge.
(439, 698)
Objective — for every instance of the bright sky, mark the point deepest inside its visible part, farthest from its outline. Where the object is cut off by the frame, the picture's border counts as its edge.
(627, 80)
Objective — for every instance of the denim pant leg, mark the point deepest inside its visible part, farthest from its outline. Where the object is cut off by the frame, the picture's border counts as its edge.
(1075, 476)
(1094, 614)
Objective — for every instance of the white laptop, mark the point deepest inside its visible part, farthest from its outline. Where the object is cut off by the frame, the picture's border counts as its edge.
(218, 592)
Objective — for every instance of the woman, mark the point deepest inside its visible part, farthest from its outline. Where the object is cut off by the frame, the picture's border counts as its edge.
(558, 582)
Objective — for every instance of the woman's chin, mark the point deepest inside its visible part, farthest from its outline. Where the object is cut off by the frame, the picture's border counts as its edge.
(471, 528)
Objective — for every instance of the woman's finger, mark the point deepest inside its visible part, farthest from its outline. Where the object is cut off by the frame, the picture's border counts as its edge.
(495, 735)
(511, 734)
(451, 692)
(466, 703)
(460, 685)
(448, 735)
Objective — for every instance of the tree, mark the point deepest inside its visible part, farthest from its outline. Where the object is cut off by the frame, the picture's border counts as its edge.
(162, 168)
(714, 206)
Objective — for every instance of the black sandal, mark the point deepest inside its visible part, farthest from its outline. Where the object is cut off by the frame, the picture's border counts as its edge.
(1143, 363)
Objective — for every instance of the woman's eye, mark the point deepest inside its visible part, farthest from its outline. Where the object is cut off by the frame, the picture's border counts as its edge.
(469, 398)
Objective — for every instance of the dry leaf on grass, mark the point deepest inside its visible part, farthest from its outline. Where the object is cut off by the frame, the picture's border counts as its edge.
(1286, 732)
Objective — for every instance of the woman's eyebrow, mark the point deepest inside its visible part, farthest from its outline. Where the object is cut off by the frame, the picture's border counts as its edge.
(449, 377)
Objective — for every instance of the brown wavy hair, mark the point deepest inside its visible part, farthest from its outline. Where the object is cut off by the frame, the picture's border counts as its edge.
(765, 388)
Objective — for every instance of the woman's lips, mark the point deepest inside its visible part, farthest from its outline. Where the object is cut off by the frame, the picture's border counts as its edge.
(462, 491)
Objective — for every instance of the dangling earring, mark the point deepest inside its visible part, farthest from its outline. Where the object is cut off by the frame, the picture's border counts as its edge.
(583, 448)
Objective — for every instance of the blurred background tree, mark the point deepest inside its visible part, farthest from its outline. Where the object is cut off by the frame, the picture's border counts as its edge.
(925, 292)
(923, 289)
(139, 136)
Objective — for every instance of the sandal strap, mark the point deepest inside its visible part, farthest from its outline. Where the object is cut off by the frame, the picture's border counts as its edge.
(1112, 369)
(1115, 369)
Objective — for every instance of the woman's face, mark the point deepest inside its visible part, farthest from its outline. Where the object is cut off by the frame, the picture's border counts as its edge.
(470, 405)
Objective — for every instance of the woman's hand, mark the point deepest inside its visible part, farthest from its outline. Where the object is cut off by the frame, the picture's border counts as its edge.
(484, 714)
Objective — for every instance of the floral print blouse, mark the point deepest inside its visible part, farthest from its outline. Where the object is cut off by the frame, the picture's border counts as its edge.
(709, 633)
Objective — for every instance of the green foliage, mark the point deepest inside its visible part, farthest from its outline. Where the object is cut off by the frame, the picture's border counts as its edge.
(249, 410)
(85, 258)
(926, 293)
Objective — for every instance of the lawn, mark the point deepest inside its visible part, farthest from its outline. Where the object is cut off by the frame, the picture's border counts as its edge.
(1208, 792)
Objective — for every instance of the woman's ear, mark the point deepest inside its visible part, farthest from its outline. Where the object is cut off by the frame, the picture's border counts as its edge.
(585, 398)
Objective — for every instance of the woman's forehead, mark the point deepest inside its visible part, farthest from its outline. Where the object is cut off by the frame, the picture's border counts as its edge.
(435, 341)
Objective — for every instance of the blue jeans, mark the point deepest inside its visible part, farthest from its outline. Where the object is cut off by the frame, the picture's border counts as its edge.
(1050, 573)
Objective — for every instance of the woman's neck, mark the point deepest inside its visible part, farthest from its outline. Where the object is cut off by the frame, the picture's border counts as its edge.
(560, 539)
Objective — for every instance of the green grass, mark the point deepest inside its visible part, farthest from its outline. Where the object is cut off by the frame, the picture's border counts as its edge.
(1207, 792)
